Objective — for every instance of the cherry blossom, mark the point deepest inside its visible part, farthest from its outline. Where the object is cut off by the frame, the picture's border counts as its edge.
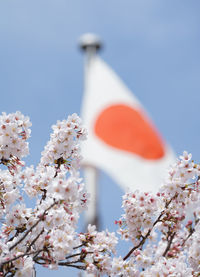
(163, 229)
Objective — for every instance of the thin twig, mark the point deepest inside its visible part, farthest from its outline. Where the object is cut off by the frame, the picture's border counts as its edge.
(169, 244)
(191, 232)
(73, 255)
(76, 247)
(21, 256)
(35, 239)
(82, 267)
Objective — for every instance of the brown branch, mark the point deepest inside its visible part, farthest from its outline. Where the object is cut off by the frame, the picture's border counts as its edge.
(191, 232)
(73, 255)
(169, 244)
(21, 256)
(37, 260)
(69, 264)
(35, 239)
(81, 254)
(82, 267)
(138, 245)
(76, 247)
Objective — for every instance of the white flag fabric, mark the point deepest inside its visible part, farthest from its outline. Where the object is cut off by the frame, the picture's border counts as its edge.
(122, 139)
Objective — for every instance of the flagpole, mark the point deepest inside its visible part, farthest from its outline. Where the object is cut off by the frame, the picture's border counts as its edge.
(90, 44)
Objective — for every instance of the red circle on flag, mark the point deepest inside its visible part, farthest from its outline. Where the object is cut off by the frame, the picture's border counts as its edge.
(127, 129)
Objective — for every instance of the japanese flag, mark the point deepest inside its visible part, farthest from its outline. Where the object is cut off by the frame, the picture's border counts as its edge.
(122, 139)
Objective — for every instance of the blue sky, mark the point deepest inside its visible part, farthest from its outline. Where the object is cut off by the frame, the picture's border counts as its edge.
(152, 44)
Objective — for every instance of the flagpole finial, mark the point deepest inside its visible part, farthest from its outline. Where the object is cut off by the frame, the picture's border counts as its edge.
(90, 41)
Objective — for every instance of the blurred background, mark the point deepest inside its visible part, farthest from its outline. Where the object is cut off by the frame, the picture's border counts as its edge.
(152, 45)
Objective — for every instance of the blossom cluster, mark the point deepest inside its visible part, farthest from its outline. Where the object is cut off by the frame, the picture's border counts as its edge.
(165, 215)
(163, 229)
(14, 132)
(140, 212)
(62, 148)
(44, 234)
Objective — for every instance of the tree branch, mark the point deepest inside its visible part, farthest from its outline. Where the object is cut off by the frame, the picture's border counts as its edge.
(21, 256)
(169, 244)
(35, 239)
